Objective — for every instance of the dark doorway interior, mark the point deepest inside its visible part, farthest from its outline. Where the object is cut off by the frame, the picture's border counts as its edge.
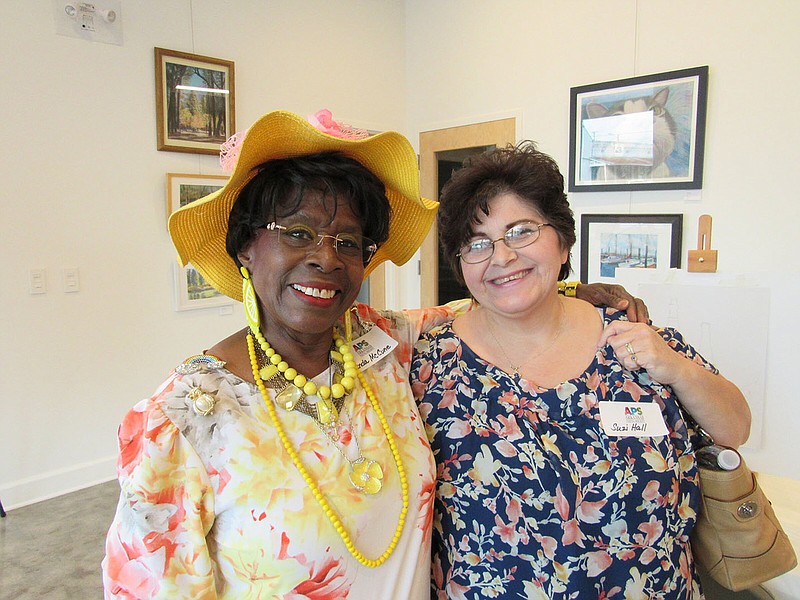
(447, 162)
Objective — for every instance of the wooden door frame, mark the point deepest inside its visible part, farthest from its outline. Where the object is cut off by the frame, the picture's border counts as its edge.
(499, 133)
(377, 287)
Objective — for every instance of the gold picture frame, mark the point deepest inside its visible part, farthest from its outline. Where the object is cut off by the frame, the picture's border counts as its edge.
(183, 188)
(195, 101)
(192, 291)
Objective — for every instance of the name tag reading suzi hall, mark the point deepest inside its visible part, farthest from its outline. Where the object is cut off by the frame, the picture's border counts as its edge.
(632, 419)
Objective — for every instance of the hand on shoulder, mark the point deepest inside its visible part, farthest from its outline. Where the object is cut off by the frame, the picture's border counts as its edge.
(614, 296)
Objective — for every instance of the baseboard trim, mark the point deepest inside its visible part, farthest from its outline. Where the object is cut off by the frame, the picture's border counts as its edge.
(57, 483)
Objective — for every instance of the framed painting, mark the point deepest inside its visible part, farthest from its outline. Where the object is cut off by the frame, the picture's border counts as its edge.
(641, 133)
(183, 188)
(195, 102)
(192, 291)
(613, 242)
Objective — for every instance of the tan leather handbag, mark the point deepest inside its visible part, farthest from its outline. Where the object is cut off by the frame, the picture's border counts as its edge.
(737, 538)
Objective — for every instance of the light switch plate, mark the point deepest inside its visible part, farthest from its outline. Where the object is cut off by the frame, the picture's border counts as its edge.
(37, 281)
(72, 281)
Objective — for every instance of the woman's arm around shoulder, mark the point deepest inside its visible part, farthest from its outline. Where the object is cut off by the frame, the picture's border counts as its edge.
(408, 325)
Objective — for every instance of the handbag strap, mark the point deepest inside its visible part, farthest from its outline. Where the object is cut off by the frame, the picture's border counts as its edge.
(698, 436)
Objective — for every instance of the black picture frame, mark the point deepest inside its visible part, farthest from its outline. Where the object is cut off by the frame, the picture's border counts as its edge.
(640, 133)
(612, 241)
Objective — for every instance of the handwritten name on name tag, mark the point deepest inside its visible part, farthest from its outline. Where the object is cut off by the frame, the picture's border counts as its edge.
(632, 419)
(371, 347)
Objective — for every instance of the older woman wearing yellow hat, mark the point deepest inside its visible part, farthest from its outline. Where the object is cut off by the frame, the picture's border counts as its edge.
(288, 460)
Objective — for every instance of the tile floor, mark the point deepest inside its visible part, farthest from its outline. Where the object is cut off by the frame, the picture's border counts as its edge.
(52, 550)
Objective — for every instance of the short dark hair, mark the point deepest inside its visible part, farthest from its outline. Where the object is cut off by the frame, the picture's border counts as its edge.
(521, 170)
(281, 185)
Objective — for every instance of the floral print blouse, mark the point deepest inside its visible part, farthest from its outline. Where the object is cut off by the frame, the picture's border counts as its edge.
(211, 506)
(534, 500)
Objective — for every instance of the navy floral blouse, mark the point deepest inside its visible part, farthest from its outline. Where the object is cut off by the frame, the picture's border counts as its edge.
(534, 500)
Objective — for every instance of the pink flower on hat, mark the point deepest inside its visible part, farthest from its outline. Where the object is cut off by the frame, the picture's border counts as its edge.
(323, 120)
(229, 151)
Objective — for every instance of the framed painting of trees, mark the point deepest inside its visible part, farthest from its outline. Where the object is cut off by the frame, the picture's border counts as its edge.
(183, 188)
(192, 291)
(195, 102)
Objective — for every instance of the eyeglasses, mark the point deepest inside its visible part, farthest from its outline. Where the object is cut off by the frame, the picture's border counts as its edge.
(349, 246)
(520, 235)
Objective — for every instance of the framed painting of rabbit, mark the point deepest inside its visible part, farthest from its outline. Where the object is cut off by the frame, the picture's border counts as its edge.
(641, 133)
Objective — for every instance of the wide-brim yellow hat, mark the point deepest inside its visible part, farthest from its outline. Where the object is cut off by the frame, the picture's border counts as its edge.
(199, 228)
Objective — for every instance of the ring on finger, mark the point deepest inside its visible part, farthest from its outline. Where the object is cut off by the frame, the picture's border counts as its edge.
(631, 352)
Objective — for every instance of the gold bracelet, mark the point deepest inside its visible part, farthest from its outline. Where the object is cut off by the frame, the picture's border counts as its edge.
(568, 288)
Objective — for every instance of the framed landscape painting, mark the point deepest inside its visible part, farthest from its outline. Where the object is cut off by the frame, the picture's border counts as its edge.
(183, 188)
(191, 289)
(195, 102)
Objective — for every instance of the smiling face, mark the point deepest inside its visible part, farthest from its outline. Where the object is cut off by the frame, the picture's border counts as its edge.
(514, 282)
(302, 292)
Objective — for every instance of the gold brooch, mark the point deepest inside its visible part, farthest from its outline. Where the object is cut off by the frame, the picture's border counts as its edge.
(202, 402)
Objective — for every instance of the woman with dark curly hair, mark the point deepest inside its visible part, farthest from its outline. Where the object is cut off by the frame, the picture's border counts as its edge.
(564, 462)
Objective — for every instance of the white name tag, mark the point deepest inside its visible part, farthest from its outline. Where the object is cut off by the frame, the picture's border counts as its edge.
(632, 419)
(371, 347)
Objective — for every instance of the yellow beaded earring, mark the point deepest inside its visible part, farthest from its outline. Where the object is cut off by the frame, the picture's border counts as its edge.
(250, 301)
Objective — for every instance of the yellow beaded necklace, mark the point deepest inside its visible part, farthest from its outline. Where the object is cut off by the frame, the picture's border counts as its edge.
(293, 387)
(317, 493)
(278, 365)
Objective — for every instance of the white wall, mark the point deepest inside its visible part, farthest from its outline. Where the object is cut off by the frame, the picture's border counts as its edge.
(84, 186)
(469, 59)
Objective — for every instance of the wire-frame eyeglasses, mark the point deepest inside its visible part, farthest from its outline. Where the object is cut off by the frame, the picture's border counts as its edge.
(520, 235)
(349, 246)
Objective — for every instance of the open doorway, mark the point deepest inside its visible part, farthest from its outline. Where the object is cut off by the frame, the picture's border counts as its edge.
(441, 152)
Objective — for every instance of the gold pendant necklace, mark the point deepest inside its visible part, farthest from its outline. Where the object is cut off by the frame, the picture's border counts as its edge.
(294, 385)
(317, 493)
(365, 475)
(529, 358)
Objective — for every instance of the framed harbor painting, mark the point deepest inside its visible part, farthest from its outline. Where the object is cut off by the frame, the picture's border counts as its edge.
(613, 242)
(195, 101)
(641, 133)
